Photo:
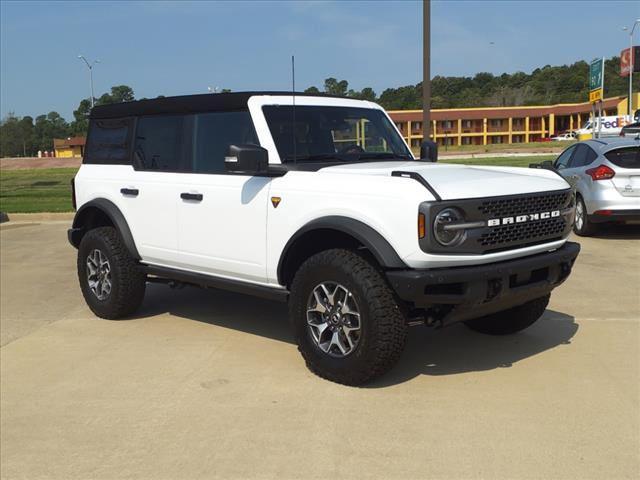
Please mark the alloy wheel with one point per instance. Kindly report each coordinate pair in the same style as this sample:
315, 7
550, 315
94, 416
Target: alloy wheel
333, 319
99, 274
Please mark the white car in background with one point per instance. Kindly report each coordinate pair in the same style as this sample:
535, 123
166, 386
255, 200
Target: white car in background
565, 137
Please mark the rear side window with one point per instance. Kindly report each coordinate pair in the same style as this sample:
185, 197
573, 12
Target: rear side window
214, 132
584, 156
625, 157
158, 143
108, 141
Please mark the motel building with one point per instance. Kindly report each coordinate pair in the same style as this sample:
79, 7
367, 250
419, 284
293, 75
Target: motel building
502, 125
69, 147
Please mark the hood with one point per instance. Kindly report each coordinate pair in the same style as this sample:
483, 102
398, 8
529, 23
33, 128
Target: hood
463, 181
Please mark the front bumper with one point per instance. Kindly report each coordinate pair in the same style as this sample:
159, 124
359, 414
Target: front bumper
462, 293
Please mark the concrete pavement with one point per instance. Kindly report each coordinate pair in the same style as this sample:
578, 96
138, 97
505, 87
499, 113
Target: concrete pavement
208, 384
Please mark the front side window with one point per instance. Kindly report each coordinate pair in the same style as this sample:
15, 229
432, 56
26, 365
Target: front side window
158, 143
563, 160
108, 141
214, 132
322, 133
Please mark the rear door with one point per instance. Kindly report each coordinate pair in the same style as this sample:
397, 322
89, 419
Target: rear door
159, 156
626, 163
222, 218
582, 157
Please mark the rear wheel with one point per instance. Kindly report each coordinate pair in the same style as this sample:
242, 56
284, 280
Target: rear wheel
111, 281
582, 226
346, 321
510, 321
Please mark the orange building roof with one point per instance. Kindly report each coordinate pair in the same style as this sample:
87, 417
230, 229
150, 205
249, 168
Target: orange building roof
69, 142
502, 112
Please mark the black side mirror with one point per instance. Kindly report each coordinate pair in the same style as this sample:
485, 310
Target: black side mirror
247, 159
429, 151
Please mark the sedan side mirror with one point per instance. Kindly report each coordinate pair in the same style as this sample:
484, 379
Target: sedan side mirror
247, 159
547, 165
429, 151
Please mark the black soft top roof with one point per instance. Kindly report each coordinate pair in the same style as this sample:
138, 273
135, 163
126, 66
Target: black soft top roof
208, 102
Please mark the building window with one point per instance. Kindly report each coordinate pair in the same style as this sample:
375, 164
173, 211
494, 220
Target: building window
416, 125
467, 140
467, 123
496, 122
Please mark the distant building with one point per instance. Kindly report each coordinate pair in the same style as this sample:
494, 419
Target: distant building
495, 125
69, 147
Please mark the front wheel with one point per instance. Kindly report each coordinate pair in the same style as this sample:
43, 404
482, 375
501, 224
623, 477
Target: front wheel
346, 321
582, 226
512, 320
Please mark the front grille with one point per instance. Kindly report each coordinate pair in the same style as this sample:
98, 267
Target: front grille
506, 236
495, 238
522, 233
522, 205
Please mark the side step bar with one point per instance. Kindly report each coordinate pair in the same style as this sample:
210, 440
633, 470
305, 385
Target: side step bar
210, 281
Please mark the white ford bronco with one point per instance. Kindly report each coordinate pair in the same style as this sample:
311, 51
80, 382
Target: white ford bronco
317, 201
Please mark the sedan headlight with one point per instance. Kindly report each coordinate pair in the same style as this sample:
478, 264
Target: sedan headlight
448, 218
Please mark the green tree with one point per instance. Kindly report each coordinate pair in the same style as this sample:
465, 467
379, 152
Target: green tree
335, 87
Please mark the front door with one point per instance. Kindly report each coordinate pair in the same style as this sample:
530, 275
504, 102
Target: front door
222, 218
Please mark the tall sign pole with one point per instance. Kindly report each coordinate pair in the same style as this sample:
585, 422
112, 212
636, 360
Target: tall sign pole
426, 69
596, 91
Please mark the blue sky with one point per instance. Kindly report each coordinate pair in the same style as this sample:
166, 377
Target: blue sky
175, 48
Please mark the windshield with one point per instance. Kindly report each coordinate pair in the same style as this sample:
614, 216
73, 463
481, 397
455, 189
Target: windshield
334, 133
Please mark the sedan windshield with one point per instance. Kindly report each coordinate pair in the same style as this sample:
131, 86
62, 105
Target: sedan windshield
332, 134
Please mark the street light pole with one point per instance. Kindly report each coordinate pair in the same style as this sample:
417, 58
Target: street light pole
90, 67
631, 67
426, 69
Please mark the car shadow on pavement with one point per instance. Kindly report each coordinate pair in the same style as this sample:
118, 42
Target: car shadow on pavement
457, 349
447, 351
618, 232
221, 308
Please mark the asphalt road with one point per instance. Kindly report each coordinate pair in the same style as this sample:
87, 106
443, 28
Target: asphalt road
205, 384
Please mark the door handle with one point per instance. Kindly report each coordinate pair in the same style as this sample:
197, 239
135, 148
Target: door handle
130, 191
192, 196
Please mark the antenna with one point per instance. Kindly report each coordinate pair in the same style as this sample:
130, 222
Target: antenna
293, 93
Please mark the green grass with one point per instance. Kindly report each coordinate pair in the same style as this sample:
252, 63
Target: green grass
36, 190
500, 161
49, 190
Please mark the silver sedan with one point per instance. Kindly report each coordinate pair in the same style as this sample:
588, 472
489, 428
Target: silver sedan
605, 174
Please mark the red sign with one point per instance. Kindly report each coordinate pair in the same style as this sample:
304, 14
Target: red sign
626, 62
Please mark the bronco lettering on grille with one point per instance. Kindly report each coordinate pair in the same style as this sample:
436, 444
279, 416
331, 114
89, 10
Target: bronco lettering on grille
531, 217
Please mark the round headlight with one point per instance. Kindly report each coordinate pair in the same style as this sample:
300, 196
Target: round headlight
444, 236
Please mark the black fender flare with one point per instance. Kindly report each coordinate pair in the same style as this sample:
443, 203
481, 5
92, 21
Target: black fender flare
379, 247
113, 213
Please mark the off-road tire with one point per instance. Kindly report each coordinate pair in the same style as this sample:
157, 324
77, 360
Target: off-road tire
383, 326
587, 228
128, 282
510, 321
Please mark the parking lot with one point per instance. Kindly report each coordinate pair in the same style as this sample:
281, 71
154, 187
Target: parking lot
204, 384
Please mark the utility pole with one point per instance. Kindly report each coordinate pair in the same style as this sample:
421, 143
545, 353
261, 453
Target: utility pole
426, 69
90, 67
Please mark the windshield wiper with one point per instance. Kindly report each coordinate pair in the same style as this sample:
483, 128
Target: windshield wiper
384, 156
315, 158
